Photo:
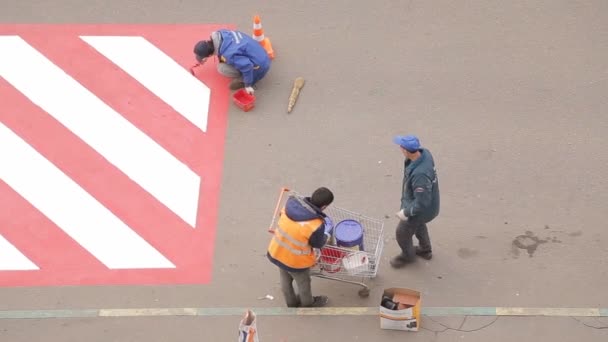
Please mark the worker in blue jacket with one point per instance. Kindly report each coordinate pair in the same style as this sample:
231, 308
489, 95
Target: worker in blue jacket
419, 201
241, 57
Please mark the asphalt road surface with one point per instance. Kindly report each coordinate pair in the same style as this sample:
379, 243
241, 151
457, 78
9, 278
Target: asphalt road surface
509, 96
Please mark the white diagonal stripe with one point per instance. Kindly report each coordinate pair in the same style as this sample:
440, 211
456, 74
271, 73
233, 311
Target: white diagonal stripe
13, 260
157, 72
105, 130
72, 209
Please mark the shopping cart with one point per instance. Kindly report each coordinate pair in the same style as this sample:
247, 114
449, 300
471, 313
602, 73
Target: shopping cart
345, 261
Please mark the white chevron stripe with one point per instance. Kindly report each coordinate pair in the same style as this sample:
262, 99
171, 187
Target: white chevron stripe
13, 260
105, 130
157, 72
72, 209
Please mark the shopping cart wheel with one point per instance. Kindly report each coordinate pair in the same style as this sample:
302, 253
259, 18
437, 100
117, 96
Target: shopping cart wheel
364, 292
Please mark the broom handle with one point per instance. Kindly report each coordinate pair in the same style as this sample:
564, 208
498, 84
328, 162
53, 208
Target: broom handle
277, 208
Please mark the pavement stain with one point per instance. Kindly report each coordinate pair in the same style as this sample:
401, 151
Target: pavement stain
529, 242
465, 253
485, 154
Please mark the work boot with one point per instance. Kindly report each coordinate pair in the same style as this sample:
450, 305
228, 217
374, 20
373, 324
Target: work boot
427, 255
319, 301
399, 261
294, 305
236, 84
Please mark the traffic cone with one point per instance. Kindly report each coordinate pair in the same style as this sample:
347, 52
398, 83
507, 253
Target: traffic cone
258, 34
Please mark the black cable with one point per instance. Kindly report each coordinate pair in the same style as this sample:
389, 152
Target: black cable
446, 328
589, 325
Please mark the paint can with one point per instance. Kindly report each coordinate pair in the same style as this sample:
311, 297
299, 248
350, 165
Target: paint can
349, 234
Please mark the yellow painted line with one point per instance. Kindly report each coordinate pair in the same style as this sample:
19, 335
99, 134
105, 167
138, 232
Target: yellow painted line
148, 312
337, 311
283, 311
553, 312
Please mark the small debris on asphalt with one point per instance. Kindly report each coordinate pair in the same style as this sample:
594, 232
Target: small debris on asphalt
266, 297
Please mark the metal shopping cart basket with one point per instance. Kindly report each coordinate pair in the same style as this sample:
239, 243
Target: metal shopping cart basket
352, 253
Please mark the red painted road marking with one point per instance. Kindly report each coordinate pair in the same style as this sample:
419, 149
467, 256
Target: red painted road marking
61, 260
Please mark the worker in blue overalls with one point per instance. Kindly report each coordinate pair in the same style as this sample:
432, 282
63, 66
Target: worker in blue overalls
240, 56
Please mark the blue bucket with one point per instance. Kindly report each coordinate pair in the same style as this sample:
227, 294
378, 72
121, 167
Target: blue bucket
349, 234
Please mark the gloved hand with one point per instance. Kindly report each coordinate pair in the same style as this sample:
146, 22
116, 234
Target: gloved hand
329, 225
249, 90
401, 215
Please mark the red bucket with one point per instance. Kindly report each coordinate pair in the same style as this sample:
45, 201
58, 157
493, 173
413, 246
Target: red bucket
331, 259
244, 100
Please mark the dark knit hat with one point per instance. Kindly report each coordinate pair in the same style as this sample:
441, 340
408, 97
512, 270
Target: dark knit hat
203, 49
322, 197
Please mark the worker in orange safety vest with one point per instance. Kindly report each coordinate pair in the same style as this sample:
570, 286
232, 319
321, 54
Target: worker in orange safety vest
301, 227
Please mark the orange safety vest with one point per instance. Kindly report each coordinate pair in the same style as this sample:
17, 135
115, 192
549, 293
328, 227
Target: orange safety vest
289, 245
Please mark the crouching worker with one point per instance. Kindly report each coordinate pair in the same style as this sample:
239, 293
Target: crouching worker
241, 57
301, 227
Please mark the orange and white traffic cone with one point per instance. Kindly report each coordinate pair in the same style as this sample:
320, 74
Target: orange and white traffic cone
258, 34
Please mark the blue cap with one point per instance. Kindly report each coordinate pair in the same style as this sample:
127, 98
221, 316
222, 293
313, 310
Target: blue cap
408, 142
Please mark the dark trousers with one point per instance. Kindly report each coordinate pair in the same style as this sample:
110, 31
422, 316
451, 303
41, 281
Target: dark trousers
405, 232
302, 279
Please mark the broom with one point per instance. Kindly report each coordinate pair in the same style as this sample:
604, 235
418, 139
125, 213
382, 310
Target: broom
295, 92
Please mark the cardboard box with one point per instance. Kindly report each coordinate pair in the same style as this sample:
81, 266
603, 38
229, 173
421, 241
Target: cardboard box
407, 314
